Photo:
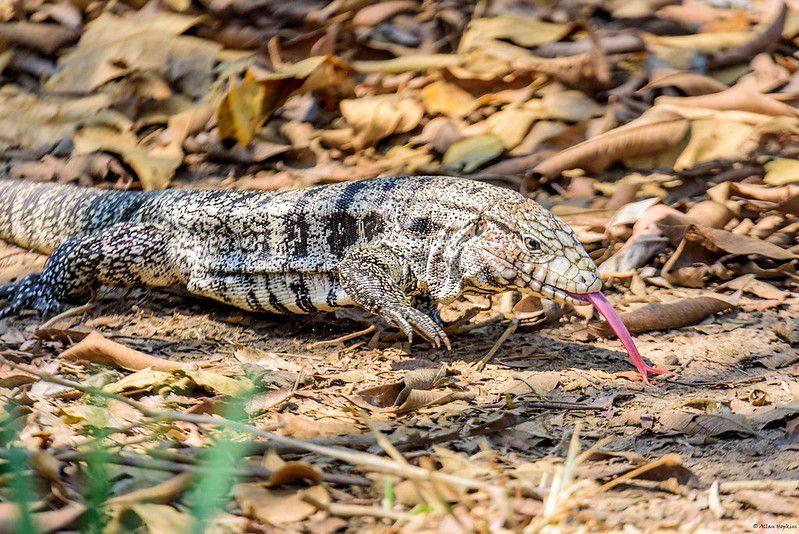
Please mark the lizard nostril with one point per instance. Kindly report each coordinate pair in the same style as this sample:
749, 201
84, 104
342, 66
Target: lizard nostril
587, 279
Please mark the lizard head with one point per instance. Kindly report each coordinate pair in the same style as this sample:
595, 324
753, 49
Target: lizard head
520, 245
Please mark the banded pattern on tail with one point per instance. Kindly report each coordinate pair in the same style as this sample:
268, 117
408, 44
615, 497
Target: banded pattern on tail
41, 216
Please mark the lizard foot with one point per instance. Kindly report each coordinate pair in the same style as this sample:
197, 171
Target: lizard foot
29, 293
410, 319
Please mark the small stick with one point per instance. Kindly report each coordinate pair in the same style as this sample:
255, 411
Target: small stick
357, 510
514, 324
64, 315
343, 338
474, 326
779, 485
668, 459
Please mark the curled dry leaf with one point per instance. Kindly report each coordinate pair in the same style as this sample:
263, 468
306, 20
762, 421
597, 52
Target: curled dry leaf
448, 99
706, 425
666, 316
782, 171
295, 473
260, 94
376, 117
690, 83
277, 506
714, 139
735, 98
162, 493
153, 166
112, 46
731, 243
97, 349
154, 517
468, 154
374, 14
46, 38
654, 131
522, 30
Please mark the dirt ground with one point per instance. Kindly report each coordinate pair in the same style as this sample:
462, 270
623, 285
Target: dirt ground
724, 415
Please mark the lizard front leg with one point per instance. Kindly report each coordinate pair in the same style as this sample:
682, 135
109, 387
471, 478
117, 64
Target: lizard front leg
125, 254
373, 277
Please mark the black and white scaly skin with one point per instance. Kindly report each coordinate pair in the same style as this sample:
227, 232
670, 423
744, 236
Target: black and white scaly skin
371, 243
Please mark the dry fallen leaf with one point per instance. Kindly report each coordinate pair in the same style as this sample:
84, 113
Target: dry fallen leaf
97, 349
277, 506
153, 166
468, 154
654, 131
376, 117
665, 316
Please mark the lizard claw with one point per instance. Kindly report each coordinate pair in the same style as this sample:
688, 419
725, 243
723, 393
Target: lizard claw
410, 319
28, 293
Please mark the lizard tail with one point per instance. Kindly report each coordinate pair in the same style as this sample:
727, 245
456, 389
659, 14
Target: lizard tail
41, 216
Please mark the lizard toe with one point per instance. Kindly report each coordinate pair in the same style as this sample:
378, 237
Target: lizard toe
410, 319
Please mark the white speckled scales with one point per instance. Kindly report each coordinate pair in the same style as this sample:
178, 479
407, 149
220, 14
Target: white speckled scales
372, 243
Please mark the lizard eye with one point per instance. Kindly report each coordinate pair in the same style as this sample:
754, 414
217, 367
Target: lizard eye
531, 244
480, 227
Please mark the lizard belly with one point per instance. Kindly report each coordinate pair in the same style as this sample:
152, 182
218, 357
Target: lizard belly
284, 293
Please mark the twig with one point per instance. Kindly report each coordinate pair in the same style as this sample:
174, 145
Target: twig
369, 461
356, 510
775, 485
154, 464
667, 460
64, 315
343, 338
514, 324
474, 326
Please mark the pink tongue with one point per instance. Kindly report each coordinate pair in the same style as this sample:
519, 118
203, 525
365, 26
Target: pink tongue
605, 309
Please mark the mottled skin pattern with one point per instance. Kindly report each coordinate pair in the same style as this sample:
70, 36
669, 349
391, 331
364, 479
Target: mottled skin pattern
372, 243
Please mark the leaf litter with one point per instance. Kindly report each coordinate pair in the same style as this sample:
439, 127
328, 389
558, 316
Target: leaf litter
665, 134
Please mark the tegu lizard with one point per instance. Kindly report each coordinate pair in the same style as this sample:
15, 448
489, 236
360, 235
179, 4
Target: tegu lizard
373, 243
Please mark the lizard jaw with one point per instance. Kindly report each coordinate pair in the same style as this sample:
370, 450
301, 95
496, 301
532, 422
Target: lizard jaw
525, 282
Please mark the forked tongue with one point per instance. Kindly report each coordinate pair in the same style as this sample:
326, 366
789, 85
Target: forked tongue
606, 310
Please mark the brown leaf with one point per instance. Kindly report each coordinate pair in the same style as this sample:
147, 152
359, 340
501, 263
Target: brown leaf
46, 38
690, 83
767, 502
706, 425
97, 349
665, 316
277, 506
448, 99
721, 240
374, 14
376, 117
155, 517
294, 473
162, 493
112, 46
240, 112
652, 132
735, 98
154, 166
238, 116
714, 139
522, 30
33, 122
468, 154
264, 402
